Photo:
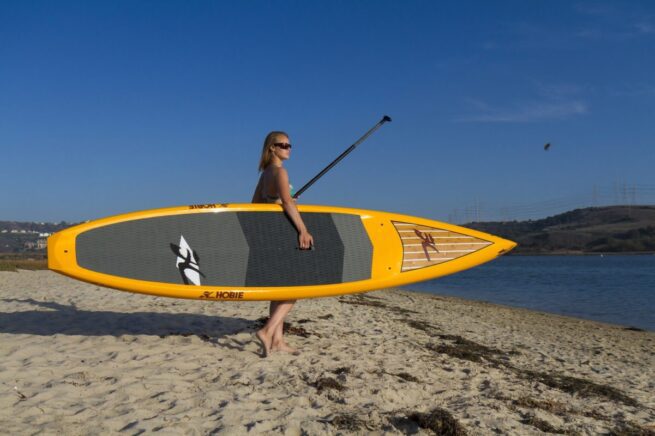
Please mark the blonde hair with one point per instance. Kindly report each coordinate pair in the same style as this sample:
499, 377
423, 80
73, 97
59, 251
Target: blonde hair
267, 154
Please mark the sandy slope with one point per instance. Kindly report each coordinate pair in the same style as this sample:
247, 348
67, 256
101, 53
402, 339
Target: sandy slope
79, 359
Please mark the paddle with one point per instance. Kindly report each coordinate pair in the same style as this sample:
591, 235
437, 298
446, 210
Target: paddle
344, 154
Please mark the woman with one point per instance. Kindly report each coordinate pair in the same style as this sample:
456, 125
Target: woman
273, 187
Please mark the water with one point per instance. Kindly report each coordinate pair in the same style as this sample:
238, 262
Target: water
614, 289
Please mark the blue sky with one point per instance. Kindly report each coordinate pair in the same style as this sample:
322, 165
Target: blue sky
110, 107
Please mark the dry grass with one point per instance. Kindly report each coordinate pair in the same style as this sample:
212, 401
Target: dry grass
16, 264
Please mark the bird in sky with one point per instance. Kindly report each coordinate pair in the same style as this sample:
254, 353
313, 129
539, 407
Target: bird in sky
547, 146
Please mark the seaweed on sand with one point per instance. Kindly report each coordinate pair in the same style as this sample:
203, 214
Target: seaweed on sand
577, 386
634, 329
346, 421
467, 350
540, 424
419, 325
407, 377
360, 300
570, 385
630, 429
326, 383
550, 406
471, 351
402, 375
367, 300
440, 421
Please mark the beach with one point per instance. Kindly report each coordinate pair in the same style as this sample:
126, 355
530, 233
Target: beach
77, 358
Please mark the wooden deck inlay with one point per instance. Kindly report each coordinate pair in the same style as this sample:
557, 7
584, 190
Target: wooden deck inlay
426, 246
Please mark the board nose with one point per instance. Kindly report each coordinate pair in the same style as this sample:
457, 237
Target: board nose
505, 246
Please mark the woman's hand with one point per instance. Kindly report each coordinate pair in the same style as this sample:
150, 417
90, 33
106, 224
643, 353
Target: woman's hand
305, 240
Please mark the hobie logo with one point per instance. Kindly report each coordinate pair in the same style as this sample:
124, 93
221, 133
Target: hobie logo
187, 262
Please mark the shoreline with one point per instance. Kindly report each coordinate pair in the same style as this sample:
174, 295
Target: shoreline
85, 359
570, 318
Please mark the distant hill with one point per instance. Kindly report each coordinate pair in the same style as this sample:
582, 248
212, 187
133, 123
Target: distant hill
16, 236
613, 229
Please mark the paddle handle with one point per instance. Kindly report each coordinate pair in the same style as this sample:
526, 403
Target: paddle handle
342, 155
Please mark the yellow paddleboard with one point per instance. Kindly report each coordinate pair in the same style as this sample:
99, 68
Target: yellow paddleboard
241, 252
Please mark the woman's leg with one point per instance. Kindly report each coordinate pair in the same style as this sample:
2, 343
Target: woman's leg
279, 343
271, 334
272, 308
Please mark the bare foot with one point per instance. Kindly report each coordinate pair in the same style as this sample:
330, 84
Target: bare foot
285, 348
265, 342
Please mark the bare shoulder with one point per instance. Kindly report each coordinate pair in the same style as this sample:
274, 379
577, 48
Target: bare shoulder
280, 172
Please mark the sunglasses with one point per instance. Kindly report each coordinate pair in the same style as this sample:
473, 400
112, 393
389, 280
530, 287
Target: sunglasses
283, 145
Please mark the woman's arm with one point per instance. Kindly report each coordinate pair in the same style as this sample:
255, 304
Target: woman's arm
305, 239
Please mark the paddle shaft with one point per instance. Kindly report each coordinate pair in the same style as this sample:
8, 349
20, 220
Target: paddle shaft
341, 156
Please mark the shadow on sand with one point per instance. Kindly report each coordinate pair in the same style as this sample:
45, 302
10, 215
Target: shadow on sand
68, 320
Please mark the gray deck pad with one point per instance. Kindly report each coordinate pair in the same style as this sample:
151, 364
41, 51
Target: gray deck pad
233, 249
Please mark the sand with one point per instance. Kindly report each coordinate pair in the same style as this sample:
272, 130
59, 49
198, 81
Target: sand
76, 358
